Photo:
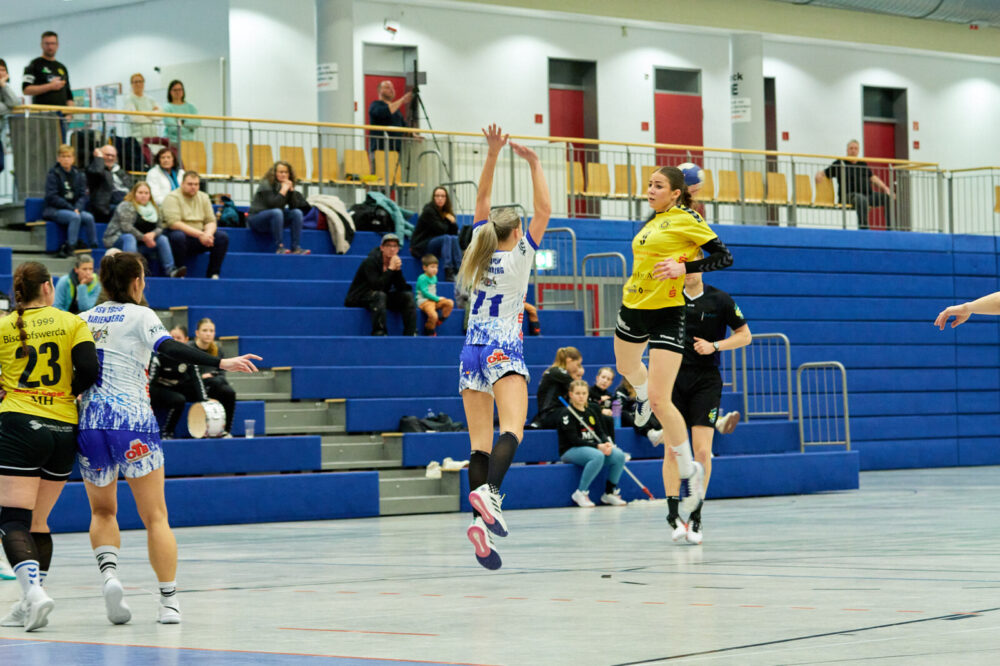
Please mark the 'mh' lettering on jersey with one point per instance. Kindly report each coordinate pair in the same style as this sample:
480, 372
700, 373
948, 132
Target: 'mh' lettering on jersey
137, 451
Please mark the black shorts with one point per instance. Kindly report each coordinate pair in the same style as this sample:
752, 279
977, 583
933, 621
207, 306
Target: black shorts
36, 446
697, 393
664, 328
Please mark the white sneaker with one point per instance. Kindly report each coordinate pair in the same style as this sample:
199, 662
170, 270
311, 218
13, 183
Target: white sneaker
614, 499
433, 470
482, 541
114, 602
40, 605
6, 573
694, 533
582, 499
642, 412
727, 424
17, 615
169, 614
655, 437
487, 503
679, 529
691, 489
449, 465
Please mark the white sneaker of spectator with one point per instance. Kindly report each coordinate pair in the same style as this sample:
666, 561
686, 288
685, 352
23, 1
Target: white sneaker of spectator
582, 500
433, 470
727, 424
655, 437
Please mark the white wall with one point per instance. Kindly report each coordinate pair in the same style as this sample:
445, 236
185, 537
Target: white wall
272, 56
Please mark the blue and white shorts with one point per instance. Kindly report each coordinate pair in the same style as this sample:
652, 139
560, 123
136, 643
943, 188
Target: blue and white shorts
102, 452
481, 366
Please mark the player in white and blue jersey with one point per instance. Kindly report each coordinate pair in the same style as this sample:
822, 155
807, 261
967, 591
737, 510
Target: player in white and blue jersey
496, 268
118, 430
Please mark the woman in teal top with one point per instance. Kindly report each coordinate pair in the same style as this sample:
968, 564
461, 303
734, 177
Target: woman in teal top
176, 103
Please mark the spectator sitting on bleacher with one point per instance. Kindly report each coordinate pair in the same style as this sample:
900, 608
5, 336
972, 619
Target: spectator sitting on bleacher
591, 448
214, 379
188, 214
137, 227
66, 202
177, 103
78, 290
172, 384
553, 385
107, 181
276, 205
437, 233
652, 430
599, 393
379, 285
427, 296
164, 177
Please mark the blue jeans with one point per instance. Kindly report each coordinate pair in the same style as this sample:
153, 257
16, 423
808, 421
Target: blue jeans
274, 220
128, 243
592, 460
447, 250
72, 221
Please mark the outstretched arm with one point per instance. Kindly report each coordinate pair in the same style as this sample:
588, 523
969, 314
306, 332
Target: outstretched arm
989, 304
495, 141
543, 205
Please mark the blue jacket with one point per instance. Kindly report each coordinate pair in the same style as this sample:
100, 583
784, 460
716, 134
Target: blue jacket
54, 189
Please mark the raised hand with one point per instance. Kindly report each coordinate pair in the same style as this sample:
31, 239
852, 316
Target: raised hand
495, 138
242, 363
524, 152
961, 313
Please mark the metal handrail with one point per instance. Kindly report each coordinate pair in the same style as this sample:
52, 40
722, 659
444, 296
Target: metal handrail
587, 328
549, 233
846, 441
788, 374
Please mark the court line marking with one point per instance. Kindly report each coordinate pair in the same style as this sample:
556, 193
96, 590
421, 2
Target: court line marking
779, 641
358, 631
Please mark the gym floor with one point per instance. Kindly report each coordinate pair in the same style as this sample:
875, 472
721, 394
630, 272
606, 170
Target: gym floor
904, 571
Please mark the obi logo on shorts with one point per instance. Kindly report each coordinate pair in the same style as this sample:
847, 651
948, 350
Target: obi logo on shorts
497, 357
137, 451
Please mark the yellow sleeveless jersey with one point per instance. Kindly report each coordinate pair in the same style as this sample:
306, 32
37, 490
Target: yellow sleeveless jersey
675, 233
37, 380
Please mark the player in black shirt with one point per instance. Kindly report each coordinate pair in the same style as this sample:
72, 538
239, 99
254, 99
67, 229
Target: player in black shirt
698, 388
856, 182
45, 78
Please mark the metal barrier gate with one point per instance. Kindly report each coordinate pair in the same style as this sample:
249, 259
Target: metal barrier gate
601, 291
821, 413
767, 387
556, 287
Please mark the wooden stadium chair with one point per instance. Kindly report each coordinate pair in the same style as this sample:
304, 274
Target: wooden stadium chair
574, 178
777, 189
803, 190
729, 187
226, 160
647, 172
296, 156
598, 182
707, 191
996, 206
330, 166
357, 170
824, 194
263, 159
394, 168
753, 187
622, 174
194, 157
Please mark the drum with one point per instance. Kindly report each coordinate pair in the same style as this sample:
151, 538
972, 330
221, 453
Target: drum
206, 419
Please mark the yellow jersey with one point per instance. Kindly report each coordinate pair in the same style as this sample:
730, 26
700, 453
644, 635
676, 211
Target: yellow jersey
676, 233
38, 379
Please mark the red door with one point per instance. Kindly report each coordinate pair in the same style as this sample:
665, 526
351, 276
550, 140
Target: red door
678, 120
880, 141
566, 119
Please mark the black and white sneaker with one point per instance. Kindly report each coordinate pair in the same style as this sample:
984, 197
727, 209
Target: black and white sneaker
678, 527
482, 541
487, 503
642, 412
693, 535
691, 489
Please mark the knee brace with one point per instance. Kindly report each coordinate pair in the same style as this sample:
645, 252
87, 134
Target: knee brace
14, 519
15, 530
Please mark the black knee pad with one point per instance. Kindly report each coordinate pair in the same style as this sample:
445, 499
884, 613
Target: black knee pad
14, 519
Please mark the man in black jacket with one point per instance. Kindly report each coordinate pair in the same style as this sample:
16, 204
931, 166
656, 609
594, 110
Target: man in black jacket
107, 181
379, 284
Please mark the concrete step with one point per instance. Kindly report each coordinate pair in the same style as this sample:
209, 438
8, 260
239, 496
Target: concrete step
409, 487
344, 465
397, 506
370, 448
305, 418
56, 266
11, 214
23, 240
362, 452
271, 385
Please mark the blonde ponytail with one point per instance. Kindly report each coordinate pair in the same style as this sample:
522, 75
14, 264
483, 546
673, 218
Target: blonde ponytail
497, 228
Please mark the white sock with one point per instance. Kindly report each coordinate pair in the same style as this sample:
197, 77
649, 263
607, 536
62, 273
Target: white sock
26, 572
42, 575
685, 461
640, 391
107, 561
168, 592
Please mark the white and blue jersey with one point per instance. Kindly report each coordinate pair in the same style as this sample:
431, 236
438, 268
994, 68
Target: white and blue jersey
494, 342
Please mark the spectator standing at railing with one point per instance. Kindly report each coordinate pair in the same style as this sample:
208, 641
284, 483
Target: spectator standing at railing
66, 202
437, 233
276, 205
385, 111
137, 227
8, 100
177, 103
46, 79
165, 176
855, 182
379, 285
142, 126
108, 183
187, 212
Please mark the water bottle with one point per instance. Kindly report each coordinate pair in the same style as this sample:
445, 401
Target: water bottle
616, 412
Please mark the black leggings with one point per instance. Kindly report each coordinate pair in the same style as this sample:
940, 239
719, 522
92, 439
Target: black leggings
173, 399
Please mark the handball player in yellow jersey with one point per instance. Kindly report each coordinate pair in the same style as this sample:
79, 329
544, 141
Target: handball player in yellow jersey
47, 358
652, 313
